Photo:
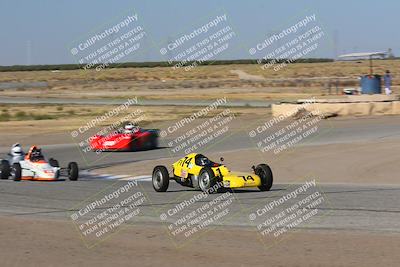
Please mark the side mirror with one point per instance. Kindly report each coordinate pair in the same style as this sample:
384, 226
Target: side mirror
221, 159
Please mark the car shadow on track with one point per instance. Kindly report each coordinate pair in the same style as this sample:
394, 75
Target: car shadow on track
240, 191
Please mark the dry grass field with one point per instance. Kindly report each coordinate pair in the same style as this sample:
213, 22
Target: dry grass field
41, 119
204, 82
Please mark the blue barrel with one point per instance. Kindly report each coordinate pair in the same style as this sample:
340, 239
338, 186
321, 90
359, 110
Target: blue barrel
371, 84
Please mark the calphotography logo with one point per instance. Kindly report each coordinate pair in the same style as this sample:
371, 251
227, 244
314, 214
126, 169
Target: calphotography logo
104, 117
296, 208
290, 44
113, 44
288, 129
201, 44
200, 130
87, 136
105, 213
195, 215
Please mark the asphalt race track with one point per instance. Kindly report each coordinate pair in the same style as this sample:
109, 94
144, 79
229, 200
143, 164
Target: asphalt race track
330, 132
372, 208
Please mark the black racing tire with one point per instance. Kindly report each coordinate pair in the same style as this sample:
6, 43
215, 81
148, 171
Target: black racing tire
207, 179
5, 169
151, 143
160, 178
154, 142
73, 171
54, 162
265, 173
133, 146
17, 172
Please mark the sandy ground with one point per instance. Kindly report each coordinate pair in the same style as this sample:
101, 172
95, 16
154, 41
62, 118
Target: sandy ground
50, 243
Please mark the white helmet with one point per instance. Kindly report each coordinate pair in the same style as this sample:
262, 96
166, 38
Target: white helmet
16, 150
129, 126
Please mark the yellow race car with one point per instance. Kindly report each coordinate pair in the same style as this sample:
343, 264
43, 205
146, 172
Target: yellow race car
197, 171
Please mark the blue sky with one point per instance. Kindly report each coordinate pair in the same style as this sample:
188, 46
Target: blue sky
42, 31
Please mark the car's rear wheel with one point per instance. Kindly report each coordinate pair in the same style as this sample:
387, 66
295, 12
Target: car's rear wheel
5, 169
150, 143
16, 172
265, 173
73, 171
154, 142
207, 179
160, 179
133, 145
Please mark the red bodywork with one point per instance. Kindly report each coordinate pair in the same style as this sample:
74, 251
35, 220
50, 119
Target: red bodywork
139, 140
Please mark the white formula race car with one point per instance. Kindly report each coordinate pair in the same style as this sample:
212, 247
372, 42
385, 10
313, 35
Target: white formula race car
33, 166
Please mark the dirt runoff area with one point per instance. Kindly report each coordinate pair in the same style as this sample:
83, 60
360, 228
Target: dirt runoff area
58, 245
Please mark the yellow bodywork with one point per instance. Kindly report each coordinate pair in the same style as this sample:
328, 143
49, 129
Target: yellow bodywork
186, 167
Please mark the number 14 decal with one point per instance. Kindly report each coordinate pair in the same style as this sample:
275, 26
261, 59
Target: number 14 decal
246, 178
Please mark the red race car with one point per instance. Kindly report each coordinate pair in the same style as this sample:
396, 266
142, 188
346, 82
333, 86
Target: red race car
131, 138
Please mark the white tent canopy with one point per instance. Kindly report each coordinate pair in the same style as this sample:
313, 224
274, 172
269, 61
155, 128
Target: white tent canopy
363, 54
368, 55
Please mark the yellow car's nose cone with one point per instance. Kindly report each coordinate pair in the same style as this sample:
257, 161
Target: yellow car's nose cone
237, 180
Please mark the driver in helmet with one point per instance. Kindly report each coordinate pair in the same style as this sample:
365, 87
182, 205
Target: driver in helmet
17, 154
130, 128
34, 154
203, 161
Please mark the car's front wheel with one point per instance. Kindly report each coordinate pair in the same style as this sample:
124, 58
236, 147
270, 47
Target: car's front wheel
5, 169
265, 173
73, 171
207, 179
160, 179
16, 172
